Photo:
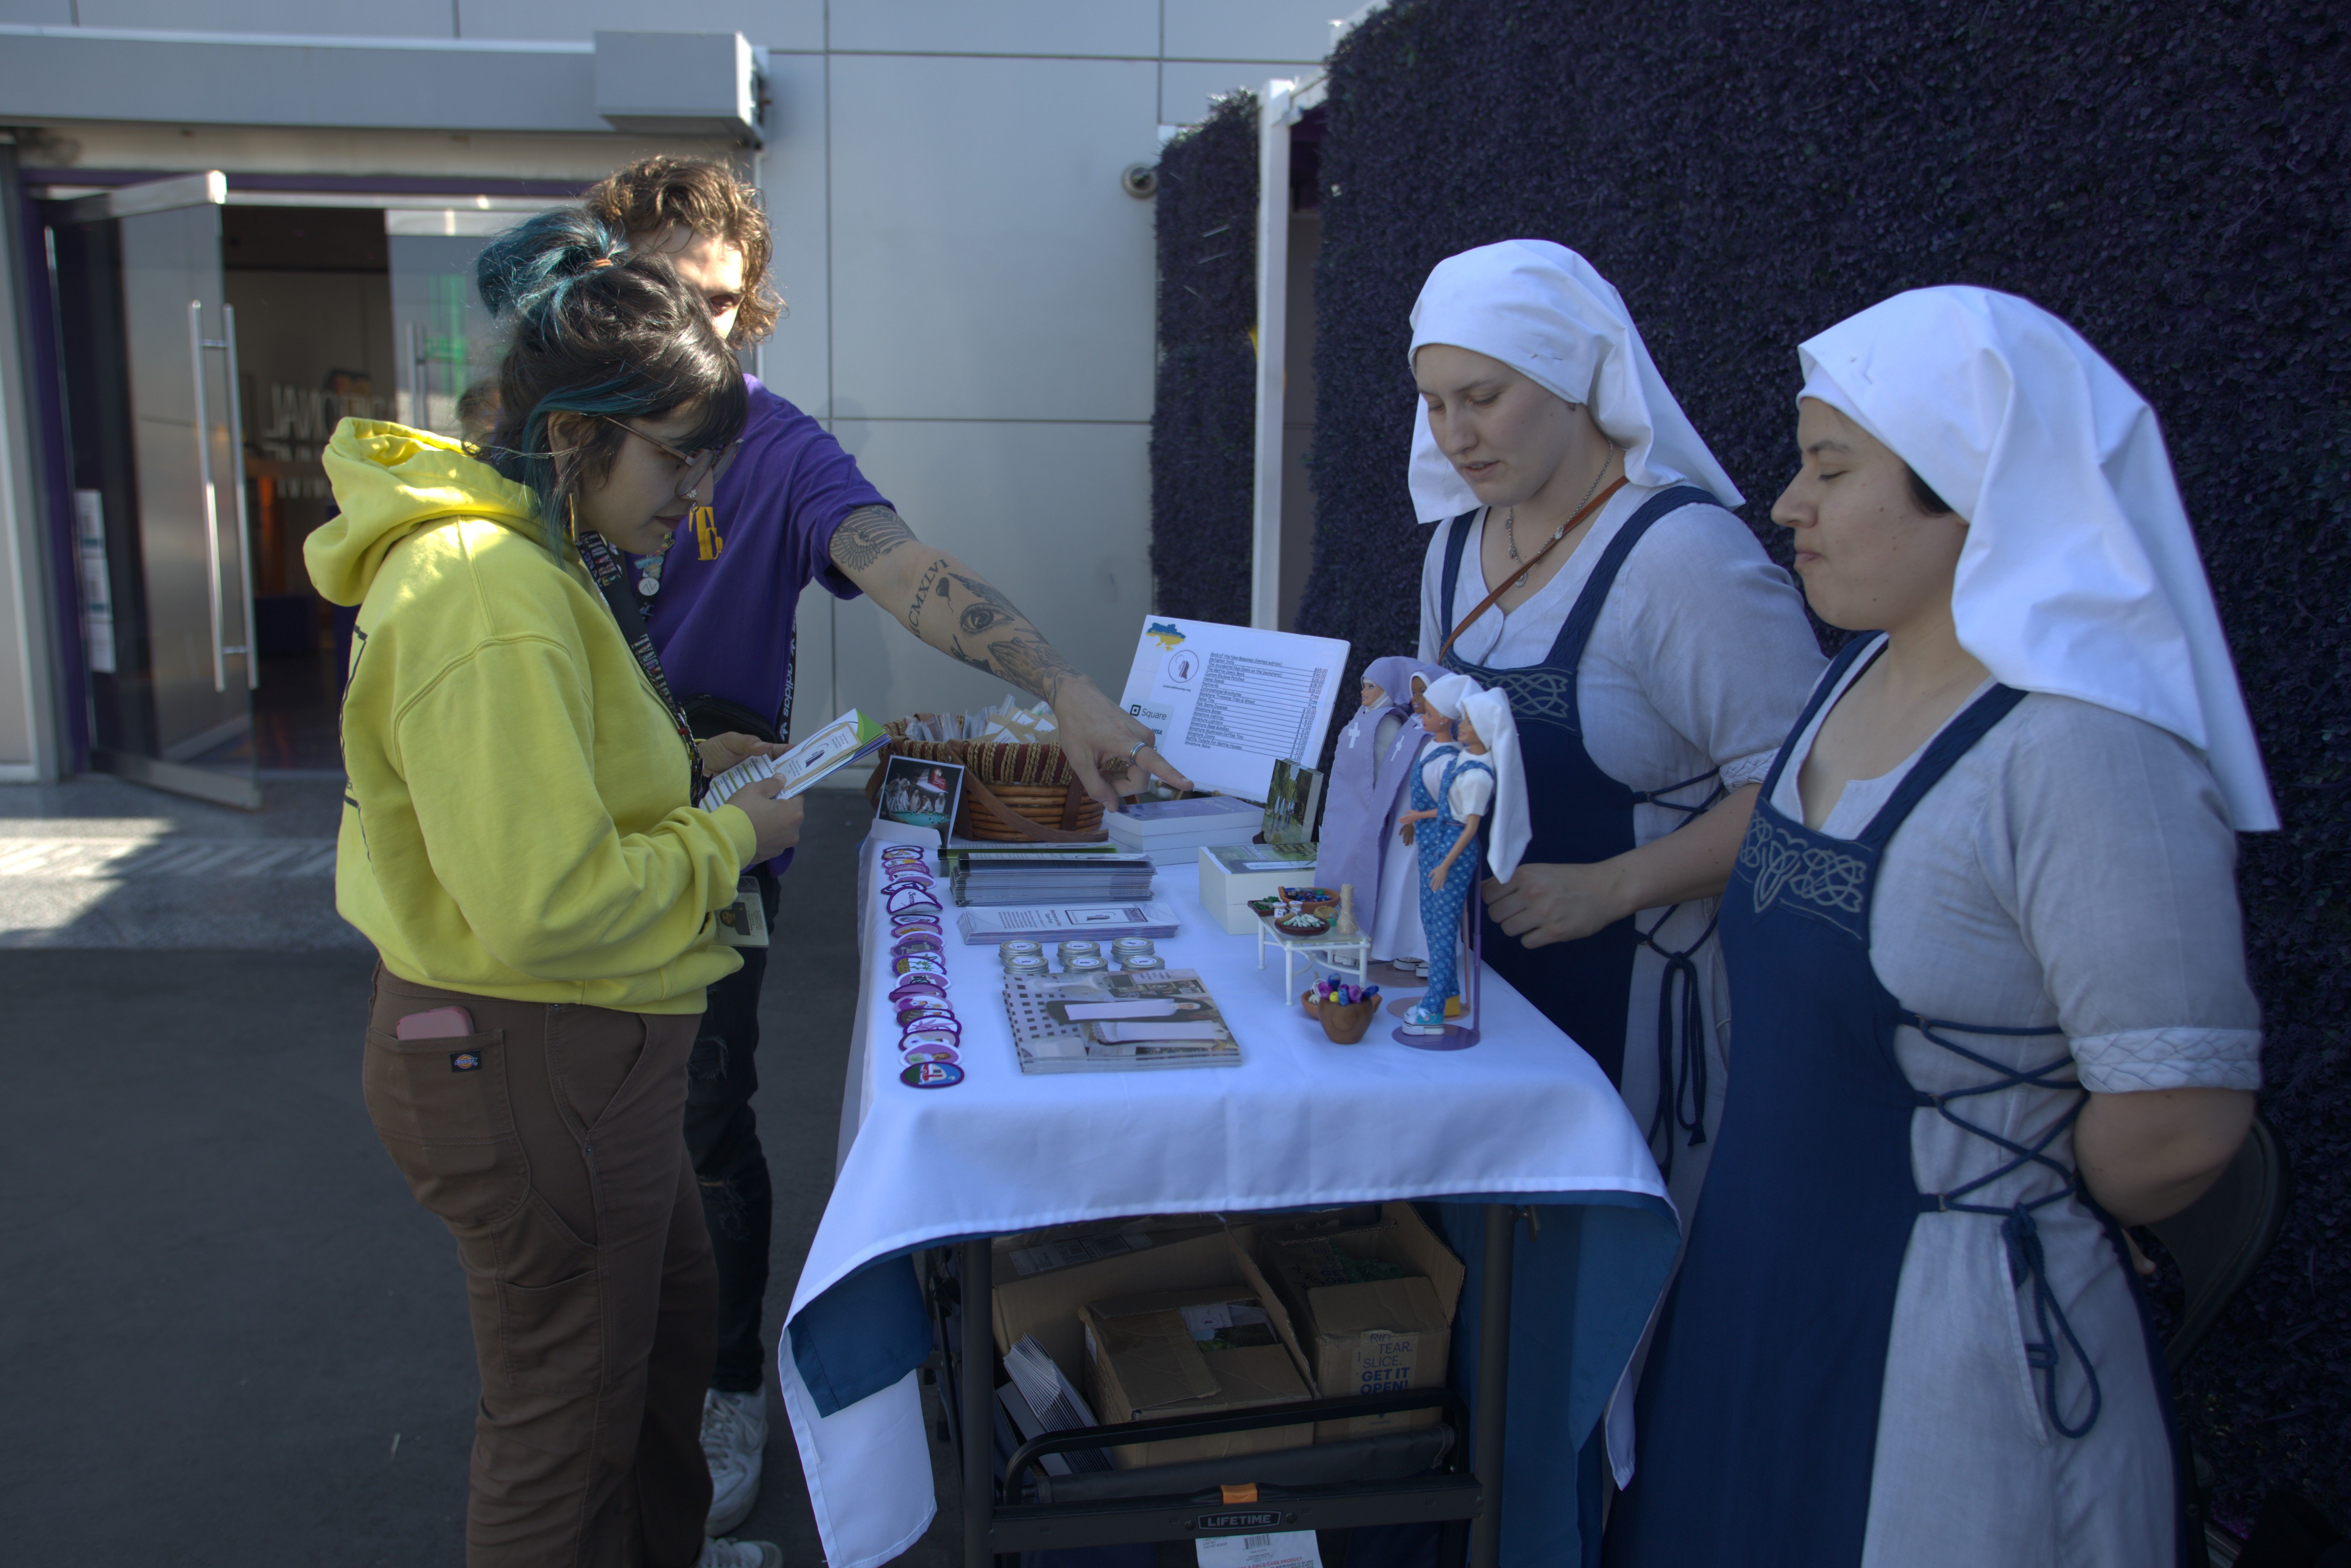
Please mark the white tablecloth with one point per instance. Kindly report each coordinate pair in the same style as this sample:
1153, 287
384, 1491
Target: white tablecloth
1301, 1122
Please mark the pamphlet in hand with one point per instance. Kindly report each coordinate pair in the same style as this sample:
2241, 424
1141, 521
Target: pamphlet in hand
1101, 1021
834, 747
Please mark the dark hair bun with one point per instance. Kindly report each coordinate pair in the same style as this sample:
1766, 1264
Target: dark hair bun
537, 263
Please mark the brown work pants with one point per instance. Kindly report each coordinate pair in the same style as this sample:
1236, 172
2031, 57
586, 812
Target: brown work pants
550, 1141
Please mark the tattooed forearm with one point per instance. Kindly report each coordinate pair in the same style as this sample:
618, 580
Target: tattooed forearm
922, 592
1028, 662
867, 535
989, 608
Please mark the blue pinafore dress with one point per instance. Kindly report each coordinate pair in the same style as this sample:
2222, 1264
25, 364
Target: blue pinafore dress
1579, 815
1441, 908
1758, 1411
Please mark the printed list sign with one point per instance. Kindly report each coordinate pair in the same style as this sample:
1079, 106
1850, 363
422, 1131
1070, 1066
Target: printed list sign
1226, 702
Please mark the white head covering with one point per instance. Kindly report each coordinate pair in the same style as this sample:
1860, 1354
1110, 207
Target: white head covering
2079, 575
1489, 713
1541, 309
1445, 694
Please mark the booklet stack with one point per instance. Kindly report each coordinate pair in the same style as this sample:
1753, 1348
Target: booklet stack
991, 877
1096, 922
1105, 1022
1170, 831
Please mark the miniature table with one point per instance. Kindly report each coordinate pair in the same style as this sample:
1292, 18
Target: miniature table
1321, 949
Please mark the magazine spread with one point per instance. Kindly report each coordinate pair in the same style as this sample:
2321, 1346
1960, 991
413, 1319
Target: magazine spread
1105, 1022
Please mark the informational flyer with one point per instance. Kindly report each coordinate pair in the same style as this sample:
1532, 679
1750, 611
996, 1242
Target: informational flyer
1227, 703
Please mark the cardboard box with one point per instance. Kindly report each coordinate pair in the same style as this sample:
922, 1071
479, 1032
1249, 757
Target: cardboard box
1198, 1352
1365, 1333
1225, 887
1044, 1303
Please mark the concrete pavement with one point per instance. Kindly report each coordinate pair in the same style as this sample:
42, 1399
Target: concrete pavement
233, 1338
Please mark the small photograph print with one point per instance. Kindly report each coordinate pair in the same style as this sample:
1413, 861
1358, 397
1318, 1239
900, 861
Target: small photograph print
920, 794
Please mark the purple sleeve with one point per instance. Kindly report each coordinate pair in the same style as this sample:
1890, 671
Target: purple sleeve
793, 464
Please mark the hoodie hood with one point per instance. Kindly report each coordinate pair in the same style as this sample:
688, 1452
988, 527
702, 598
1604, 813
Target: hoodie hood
390, 481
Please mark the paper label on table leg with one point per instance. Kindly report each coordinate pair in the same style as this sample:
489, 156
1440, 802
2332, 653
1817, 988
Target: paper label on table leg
1280, 1548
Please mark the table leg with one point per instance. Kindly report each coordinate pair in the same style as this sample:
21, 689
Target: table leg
976, 1390
1493, 1382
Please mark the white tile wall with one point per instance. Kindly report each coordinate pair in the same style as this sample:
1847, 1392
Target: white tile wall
377, 19
986, 261
1057, 516
772, 23
1252, 29
1120, 27
797, 361
38, 12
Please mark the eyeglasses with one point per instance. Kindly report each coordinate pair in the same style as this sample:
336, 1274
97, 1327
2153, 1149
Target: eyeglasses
693, 467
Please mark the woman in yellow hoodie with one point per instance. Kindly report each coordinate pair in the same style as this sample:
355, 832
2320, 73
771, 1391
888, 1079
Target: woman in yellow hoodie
520, 842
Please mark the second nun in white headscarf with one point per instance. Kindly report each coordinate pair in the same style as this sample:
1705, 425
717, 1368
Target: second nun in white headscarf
1989, 971
1652, 655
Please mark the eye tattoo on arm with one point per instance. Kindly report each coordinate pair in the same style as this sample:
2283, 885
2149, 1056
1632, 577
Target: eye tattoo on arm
867, 535
989, 608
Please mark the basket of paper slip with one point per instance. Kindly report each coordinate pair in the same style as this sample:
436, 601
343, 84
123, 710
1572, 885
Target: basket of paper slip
1018, 787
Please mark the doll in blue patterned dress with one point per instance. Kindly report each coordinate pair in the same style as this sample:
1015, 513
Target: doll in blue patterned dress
1464, 788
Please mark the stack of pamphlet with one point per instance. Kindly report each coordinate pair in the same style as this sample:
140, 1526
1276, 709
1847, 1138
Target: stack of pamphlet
1170, 831
1096, 922
1101, 1021
991, 877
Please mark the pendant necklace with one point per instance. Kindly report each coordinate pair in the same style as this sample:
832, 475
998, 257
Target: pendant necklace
1511, 524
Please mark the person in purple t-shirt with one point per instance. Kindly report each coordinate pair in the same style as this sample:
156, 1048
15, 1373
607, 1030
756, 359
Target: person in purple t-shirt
791, 508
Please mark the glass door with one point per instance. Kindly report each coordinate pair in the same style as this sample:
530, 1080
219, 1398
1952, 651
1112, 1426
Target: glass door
440, 330
149, 356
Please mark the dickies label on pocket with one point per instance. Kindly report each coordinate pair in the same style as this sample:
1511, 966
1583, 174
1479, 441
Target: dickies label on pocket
465, 1061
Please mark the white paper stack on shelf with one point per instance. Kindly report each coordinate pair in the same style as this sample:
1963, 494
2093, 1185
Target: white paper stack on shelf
1171, 831
1039, 1399
988, 878
1096, 922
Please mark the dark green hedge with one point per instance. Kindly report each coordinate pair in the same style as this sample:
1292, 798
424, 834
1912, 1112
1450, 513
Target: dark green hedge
1205, 414
2169, 176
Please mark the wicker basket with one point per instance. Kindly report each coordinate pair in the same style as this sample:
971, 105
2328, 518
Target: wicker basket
1012, 792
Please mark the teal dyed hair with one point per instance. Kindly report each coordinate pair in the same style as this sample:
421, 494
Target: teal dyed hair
592, 329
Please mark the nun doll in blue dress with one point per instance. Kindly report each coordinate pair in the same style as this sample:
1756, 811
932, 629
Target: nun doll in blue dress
1988, 964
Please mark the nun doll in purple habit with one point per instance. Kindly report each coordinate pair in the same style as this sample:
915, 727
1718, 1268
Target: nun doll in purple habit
1374, 757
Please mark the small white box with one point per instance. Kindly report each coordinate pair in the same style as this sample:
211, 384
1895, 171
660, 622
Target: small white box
1233, 873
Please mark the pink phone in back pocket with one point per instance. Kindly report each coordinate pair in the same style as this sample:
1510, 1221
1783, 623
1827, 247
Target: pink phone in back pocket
435, 1023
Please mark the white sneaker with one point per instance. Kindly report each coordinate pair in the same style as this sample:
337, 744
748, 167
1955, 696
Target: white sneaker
740, 1554
735, 1442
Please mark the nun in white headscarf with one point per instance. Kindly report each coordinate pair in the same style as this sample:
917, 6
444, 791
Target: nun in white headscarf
1988, 969
1652, 654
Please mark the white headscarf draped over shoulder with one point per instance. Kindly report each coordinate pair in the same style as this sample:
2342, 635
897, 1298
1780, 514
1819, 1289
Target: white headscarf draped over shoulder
1489, 713
2079, 575
1542, 310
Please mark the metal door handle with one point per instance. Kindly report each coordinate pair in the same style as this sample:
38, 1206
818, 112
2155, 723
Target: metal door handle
243, 531
204, 478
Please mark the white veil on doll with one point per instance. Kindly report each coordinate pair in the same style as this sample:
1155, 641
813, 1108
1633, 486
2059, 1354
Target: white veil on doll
1489, 713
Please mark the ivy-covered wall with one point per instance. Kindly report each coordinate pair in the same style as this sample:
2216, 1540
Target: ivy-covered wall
2167, 175
1204, 410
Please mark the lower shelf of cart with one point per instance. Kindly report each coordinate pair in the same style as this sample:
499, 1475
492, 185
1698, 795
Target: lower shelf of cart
1417, 1500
